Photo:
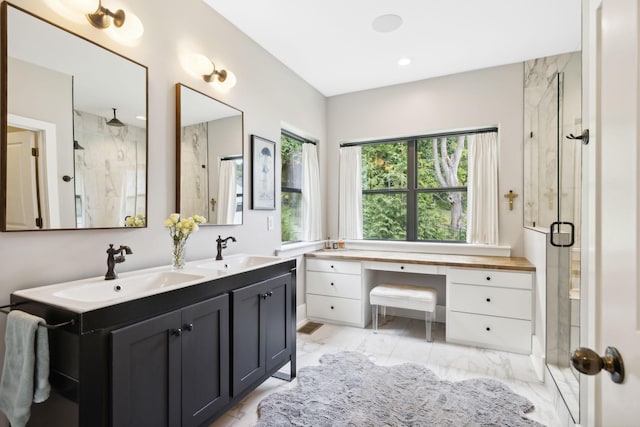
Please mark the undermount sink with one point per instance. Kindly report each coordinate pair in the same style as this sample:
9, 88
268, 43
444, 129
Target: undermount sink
235, 263
98, 289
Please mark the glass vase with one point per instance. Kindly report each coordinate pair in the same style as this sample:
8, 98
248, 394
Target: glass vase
179, 255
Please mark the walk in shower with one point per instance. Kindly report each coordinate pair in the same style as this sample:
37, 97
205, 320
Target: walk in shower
552, 204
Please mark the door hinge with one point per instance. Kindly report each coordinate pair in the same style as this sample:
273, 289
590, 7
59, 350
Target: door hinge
35, 152
39, 222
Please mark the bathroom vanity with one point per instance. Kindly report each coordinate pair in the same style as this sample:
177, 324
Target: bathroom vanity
488, 299
178, 356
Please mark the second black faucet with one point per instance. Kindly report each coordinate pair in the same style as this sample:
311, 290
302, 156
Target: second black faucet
222, 244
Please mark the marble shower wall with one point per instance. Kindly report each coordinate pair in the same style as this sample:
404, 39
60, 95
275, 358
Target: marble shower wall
110, 172
552, 110
194, 170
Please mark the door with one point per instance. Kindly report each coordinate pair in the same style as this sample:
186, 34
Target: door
611, 43
145, 384
205, 360
22, 203
278, 322
248, 336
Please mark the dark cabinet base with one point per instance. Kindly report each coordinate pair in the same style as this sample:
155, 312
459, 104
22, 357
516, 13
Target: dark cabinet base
169, 359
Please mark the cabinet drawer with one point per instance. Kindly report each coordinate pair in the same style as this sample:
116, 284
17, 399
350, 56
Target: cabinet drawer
505, 302
489, 331
509, 279
333, 284
332, 266
341, 310
403, 267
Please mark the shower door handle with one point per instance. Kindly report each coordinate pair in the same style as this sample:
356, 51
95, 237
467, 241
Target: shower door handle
589, 362
555, 231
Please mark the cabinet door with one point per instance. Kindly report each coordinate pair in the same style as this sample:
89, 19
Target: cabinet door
145, 388
248, 336
278, 321
205, 360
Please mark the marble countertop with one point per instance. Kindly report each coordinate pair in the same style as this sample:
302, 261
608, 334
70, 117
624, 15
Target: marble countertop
470, 261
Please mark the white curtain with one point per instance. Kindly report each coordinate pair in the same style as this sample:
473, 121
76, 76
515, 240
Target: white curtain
482, 186
311, 198
226, 205
350, 197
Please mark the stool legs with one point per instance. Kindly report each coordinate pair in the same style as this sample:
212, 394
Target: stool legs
429, 315
374, 315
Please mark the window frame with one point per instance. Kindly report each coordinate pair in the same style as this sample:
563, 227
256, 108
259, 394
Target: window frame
412, 191
288, 189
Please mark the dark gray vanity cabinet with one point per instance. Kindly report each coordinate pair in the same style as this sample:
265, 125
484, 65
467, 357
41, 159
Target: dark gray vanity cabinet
261, 331
172, 369
178, 358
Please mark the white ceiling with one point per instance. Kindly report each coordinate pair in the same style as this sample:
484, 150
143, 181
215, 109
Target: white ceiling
331, 43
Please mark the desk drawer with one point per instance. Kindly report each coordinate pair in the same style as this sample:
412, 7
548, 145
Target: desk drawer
341, 310
333, 284
504, 302
508, 279
403, 267
489, 331
332, 266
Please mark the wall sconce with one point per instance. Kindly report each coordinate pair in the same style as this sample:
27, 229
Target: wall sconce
102, 17
127, 27
219, 77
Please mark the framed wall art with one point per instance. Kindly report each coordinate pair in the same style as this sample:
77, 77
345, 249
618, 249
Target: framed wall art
263, 177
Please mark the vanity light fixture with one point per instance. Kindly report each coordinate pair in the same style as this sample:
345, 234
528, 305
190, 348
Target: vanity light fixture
126, 29
102, 17
219, 77
115, 122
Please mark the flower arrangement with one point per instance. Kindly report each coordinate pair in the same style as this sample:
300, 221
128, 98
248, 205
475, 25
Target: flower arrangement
135, 221
180, 229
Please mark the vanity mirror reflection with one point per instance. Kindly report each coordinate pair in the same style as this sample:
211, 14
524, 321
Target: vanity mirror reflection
209, 153
66, 163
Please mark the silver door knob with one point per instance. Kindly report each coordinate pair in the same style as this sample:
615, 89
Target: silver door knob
589, 362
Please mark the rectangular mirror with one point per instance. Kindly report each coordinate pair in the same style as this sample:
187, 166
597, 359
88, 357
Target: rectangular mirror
209, 153
66, 164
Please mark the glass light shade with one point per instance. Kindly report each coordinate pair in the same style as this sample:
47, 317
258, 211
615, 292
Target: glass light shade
228, 83
130, 32
199, 65
74, 10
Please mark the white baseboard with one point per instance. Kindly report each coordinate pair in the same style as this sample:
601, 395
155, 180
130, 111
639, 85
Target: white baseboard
301, 315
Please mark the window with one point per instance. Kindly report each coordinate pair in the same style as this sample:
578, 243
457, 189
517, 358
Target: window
291, 187
415, 189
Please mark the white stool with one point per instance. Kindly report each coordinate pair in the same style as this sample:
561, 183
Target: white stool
404, 296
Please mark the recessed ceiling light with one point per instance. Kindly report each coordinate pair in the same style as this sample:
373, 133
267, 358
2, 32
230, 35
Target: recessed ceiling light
403, 62
141, 118
386, 23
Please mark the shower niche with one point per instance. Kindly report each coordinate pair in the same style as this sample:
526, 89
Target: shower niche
552, 204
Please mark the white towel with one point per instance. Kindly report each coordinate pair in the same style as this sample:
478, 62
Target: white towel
25, 375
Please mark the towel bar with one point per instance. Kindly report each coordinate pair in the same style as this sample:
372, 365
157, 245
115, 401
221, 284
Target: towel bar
56, 326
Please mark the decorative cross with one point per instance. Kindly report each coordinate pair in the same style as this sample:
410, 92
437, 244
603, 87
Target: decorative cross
511, 195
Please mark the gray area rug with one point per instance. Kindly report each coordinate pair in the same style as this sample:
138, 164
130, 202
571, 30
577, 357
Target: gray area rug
347, 389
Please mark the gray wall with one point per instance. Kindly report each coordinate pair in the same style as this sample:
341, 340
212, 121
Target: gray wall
481, 98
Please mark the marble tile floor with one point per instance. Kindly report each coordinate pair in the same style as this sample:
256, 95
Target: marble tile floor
401, 340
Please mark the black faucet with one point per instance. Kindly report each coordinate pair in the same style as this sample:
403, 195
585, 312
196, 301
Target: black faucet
113, 260
222, 244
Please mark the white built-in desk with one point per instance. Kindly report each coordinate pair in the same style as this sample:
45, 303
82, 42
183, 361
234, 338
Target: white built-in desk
489, 300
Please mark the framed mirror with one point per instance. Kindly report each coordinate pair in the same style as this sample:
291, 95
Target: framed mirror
74, 130
209, 156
